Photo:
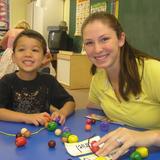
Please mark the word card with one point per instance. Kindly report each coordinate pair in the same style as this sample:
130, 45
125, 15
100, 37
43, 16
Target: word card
80, 148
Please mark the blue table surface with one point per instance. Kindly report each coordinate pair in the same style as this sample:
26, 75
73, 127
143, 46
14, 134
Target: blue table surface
37, 145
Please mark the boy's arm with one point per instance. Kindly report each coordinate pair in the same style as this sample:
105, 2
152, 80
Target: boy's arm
62, 113
13, 116
66, 110
8, 115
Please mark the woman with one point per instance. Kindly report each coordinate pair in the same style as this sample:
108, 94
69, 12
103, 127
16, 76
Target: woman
9, 37
125, 85
6, 64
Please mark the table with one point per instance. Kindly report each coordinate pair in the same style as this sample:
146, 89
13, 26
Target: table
37, 145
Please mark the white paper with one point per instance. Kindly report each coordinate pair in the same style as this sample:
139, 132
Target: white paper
80, 148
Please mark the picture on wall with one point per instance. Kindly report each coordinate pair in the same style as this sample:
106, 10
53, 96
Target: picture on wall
99, 6
82, 11
4, 17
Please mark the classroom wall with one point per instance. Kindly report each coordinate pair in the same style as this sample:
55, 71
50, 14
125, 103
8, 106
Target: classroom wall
54, 11
47, 13
17, 11
53, 14
66, 11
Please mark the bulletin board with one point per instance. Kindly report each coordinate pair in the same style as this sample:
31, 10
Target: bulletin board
4, 17
99, 6
82, 11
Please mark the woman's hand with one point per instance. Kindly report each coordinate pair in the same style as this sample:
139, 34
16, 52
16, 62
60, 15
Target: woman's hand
117, 142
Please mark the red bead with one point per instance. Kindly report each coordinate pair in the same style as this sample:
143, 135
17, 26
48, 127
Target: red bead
51, 144
93, 147
93, 143
20, 141
88, 121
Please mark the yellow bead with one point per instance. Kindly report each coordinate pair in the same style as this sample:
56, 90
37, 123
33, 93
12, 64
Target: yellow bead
72, 138
102, 158
143, 151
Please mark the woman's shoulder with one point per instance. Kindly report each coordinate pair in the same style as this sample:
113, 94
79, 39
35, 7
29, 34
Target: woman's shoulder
151, 64
151, 68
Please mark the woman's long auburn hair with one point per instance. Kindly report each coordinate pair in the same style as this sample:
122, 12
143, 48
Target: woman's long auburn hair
129, 78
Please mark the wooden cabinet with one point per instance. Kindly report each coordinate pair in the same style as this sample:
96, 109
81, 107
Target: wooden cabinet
73, 70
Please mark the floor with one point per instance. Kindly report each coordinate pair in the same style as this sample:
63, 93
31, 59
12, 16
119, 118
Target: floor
80, 96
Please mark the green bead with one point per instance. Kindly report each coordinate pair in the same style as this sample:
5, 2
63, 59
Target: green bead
52, 126
66, 134
135, 156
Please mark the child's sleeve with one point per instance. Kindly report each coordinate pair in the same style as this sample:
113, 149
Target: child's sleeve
5, 99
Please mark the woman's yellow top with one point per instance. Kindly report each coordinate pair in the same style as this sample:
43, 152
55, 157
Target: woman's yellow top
142, 111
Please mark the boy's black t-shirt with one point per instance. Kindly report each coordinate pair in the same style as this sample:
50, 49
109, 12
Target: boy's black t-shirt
33, 96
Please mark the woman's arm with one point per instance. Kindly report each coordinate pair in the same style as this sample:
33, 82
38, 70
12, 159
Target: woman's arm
122, 139
4, 41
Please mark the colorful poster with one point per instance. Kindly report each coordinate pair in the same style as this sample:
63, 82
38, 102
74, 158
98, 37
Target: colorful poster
99, 6
82, 11
4, 14
4, 17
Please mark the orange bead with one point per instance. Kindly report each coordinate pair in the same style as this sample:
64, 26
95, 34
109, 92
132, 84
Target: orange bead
27, 134
64, 139
88, 127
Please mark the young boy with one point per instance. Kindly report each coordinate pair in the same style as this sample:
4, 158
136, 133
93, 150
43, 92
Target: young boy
28, 96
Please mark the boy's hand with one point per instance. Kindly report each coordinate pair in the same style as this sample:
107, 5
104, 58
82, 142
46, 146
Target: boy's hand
37, 119
60, 115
